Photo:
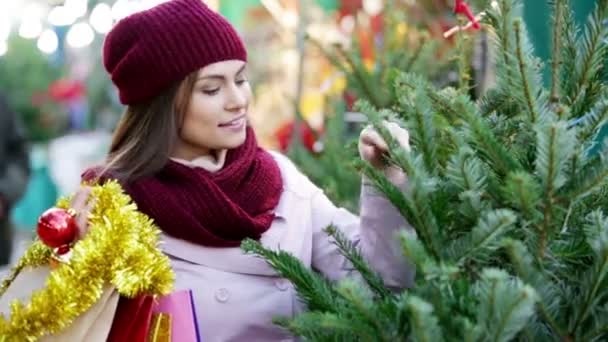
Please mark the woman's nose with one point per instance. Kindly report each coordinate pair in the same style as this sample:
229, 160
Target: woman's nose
237, 97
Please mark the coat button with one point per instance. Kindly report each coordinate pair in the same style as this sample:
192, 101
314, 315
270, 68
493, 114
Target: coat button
222, 295
281, 284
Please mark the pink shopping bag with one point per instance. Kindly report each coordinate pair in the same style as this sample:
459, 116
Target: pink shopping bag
179, 305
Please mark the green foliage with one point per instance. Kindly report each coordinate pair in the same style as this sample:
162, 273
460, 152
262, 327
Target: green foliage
404, 48
24, 71
416, 52
508, 205
341, 184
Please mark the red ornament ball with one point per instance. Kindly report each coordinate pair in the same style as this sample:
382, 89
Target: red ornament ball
57, 227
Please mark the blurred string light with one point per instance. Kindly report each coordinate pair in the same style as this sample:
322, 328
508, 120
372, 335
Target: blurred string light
347, 24
124, 8
5, 27
101, 18
30, 28
80, 35
3, 47
31, 25
372, 7
61, 16
48, 41
78, 8
35, 19
147, 4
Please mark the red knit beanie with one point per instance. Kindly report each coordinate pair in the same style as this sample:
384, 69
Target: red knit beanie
149, 50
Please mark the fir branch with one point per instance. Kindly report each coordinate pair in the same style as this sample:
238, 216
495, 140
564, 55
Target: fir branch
401, 316
416, 55
314, 290
596, 334
348, 249
504, 30
499, 19
420, 185
319, 326
559, 6
596, 232
597, 237
494, 100
486, 142
463, 48
588, 180
333, 59
523, 192
409, 81
360, 300
392, 193
466, 171
454, 106
413, 205
554, 148
569, 54
416, 252
422, 131
524, 266
362, 77
592, 282
484, 236
505, 304
526, 86
592, 121
594, 51
425, 325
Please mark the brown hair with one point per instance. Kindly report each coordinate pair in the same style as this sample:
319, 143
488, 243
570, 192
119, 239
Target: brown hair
146, 134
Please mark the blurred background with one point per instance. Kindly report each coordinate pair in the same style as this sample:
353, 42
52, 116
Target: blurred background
309, 62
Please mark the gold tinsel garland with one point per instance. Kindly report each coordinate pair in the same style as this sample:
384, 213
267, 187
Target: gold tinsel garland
120, 249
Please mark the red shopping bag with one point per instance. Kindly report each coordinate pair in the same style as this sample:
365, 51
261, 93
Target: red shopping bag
171, 318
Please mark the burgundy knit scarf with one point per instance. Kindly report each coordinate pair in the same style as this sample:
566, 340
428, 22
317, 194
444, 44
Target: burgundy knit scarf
217, 209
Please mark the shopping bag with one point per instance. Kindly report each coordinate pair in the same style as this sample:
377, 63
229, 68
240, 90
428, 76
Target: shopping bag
179, 308
92, 326
132, 320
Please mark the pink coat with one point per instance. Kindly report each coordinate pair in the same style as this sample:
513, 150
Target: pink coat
237, 295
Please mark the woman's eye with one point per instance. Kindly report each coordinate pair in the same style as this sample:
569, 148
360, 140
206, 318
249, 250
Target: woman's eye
211, 91
240, 82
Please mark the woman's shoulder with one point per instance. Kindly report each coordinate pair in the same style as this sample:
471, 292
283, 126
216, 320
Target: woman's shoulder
294, 180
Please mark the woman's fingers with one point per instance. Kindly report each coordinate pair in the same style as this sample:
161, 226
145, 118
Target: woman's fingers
401, 135
370, 137
82, 204
79, 200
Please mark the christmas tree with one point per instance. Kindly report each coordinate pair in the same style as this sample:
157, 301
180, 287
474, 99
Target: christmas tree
507, 201
381, 43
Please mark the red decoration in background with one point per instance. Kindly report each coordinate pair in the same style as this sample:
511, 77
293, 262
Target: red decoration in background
461, 7
62, 90
308, 135
57, 228
66, 90
377, 23
349, 7
350, 100
366, 44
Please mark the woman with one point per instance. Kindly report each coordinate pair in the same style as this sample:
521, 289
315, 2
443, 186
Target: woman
188, 158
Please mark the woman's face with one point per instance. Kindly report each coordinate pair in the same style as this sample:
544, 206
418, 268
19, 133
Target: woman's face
216, 117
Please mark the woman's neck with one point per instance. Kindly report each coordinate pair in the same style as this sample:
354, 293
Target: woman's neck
212, 162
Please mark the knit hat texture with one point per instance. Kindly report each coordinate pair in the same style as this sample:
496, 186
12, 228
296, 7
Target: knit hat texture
148, 51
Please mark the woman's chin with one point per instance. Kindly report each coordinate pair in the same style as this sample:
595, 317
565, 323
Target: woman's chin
235, 141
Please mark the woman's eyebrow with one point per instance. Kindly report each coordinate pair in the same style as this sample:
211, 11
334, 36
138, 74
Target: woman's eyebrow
220, 77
